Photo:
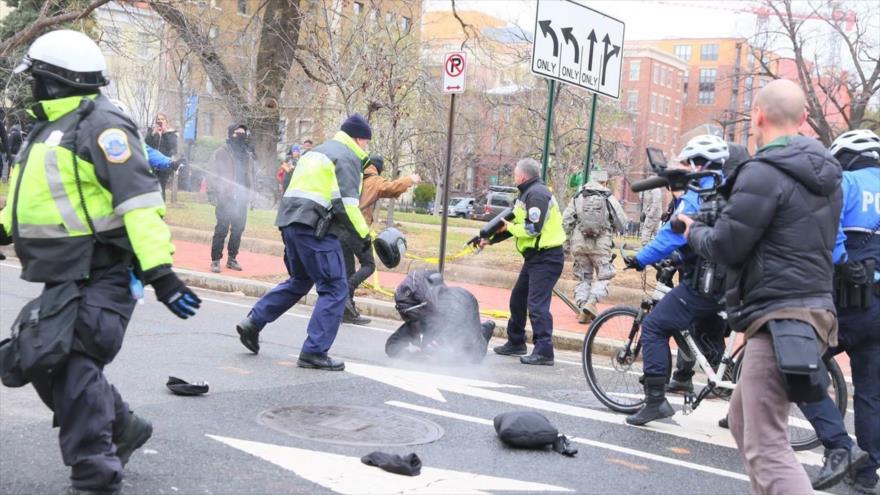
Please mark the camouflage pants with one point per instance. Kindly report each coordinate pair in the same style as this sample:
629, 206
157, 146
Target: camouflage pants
649, 230
593, 272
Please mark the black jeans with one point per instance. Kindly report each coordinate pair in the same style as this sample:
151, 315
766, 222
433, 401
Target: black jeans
531, 296
352, 248
231, 216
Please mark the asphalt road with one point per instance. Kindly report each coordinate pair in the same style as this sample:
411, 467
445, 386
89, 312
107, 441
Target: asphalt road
217, 444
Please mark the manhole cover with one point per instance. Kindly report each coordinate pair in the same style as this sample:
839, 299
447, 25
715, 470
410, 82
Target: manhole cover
351, 425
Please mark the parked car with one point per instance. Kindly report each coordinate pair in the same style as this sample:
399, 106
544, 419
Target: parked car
461, 207
496, 199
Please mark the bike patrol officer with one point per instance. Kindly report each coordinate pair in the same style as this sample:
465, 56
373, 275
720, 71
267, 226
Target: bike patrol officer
84, 207
857, 300
685, 305
321, 201
537, 228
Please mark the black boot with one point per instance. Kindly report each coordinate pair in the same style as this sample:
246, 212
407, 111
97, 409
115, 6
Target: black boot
656, 405
352, 315
838, 462
249, 335
136, 433
686, 386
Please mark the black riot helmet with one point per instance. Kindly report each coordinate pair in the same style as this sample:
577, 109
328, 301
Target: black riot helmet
390, 247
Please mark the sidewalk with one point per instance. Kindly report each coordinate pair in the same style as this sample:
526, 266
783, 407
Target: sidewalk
197, 257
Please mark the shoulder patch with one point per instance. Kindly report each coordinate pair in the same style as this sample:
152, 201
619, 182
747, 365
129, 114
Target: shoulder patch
114, 143
534, 214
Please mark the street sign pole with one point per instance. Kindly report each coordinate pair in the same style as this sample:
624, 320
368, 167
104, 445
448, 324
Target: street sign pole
545, 156
589, 157
445, 205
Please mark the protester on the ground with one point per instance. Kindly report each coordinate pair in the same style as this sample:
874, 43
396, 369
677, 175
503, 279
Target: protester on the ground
857, 299
229, 187
375, 188
693, 302
96, 242
439, 322
652, 211
776, 235
320, 203
164, 139
539, 235
591, 219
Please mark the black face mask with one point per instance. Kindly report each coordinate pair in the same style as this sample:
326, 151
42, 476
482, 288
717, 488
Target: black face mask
43, 88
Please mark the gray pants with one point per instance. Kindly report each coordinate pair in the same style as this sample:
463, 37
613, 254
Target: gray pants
593, 273
89, 410
649, 229
759, 423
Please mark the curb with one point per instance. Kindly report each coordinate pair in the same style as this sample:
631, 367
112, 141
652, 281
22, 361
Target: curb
562, 340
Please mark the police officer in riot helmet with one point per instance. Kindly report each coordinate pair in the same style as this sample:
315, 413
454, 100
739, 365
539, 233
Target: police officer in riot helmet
694, 302
857, 300
101, 240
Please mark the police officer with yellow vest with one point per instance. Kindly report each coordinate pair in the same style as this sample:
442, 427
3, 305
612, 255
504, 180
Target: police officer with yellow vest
85, 208
320, 204
537, 228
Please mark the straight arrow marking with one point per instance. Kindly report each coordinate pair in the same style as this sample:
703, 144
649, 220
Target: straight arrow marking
592, 38
348, 475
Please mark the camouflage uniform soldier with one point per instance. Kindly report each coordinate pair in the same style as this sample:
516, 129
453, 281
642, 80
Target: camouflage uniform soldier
652, 210
590, 220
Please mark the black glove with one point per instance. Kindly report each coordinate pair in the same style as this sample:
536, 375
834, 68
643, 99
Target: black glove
632, 262
173, 293
852, 271
5, 240
176, 164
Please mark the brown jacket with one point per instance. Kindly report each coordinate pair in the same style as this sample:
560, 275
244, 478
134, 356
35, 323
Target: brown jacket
221, 183
377, 187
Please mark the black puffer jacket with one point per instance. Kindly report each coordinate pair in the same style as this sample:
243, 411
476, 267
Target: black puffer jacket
777, 232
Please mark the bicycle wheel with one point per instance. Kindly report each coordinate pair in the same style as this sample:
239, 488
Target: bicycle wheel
801, 434
612, 359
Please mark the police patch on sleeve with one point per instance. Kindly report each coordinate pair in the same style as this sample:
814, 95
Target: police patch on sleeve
114, 144
534, 214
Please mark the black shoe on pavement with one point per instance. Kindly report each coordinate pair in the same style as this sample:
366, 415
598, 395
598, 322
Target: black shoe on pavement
318, 362
353, 316
861, 485
232, 264
656, 406
686, 386
82, 491
134, 436
509, 349
724, 423
536, 359
249, 335
837, 464
215, 266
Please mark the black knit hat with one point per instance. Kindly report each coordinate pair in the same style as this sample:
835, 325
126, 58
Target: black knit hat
378, 162
357, 126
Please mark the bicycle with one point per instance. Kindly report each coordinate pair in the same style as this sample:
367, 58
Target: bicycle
612, 348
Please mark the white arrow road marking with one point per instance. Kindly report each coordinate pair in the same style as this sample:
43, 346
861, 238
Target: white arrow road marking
348, 475
701, 425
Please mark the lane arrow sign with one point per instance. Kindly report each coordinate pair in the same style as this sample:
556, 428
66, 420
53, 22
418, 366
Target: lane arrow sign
608, 55
569, 38
548, 31
593, 40
348, 475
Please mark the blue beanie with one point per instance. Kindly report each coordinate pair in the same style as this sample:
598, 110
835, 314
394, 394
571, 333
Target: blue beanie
357, 126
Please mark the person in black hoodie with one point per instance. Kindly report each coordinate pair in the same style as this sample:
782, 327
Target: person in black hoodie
229, 185
776, 235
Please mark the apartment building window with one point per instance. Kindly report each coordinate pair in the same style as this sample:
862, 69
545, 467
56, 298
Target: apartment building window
677, 109
405, 24
634, 70
667, 103
632, 101
242, 7
208, 123
209, 86
709, 52
358, 8
685, 86
683, 52
304, 128
707, 87
655, 74
653, 103
663, 75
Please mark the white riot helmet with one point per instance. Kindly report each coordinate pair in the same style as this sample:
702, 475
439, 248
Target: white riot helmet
857, 141
711, 148
67, 56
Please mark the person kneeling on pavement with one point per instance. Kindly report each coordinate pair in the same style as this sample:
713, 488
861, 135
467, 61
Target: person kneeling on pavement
687, 304
442, 322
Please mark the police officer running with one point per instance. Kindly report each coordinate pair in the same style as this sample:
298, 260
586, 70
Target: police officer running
857, 300
321, 201
537, 229
590, 220
86, 209
685, 305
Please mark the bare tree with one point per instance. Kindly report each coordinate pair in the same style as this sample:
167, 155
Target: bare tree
51, 15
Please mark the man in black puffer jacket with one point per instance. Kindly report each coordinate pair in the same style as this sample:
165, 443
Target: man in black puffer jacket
776, 234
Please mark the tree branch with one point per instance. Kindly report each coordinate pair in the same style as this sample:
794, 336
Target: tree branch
44, 22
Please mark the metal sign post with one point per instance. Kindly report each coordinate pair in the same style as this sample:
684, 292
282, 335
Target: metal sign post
548, 127
453, 83
589, 158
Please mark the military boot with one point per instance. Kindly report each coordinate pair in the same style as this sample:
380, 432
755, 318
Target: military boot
136, 433
656, 405
587, 313
683, 385
352, 315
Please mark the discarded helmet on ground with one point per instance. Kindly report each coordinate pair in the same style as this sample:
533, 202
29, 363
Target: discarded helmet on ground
390, 247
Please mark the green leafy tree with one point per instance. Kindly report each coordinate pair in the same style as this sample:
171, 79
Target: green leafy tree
423, 194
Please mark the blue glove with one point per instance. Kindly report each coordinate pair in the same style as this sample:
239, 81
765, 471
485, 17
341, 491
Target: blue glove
176, 296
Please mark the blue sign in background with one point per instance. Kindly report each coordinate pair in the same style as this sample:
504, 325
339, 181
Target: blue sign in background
190, 126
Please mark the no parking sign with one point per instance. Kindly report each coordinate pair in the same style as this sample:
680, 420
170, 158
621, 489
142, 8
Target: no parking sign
453, 72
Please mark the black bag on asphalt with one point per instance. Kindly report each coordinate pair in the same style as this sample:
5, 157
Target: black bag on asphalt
43, 333
531, 430
799, 360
